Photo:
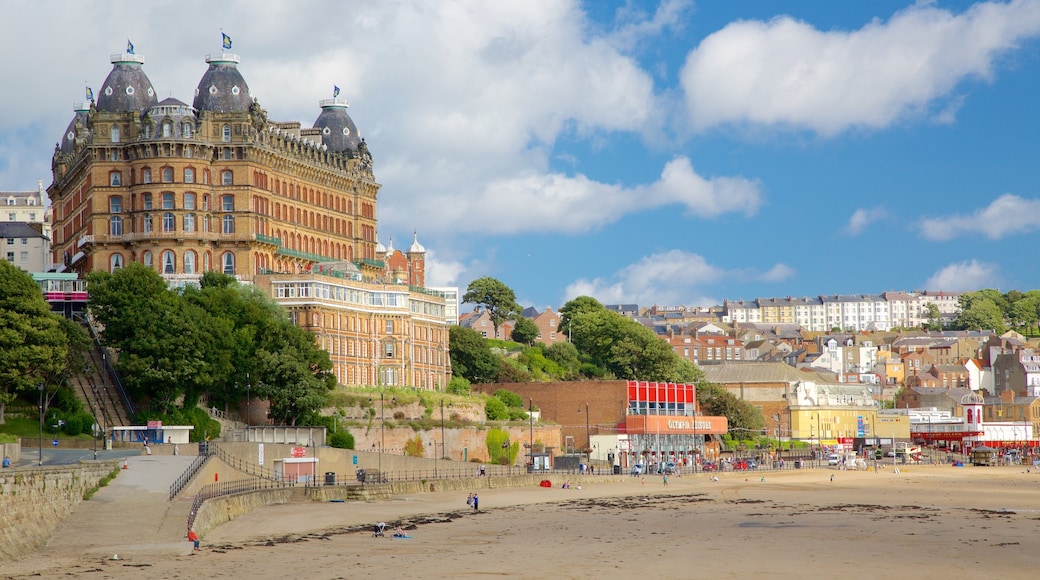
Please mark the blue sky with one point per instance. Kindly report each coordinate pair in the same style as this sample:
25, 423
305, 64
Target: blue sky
670, 152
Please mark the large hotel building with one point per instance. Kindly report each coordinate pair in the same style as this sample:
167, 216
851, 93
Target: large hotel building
216, 186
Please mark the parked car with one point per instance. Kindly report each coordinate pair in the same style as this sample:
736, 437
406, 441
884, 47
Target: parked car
709, 466
637, 469
744, 464
669, 468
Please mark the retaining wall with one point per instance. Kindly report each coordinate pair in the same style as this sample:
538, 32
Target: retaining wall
33, 501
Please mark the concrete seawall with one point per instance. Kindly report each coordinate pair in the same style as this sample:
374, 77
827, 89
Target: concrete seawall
33, 501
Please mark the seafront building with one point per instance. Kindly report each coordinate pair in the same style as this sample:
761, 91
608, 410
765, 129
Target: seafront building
217, 186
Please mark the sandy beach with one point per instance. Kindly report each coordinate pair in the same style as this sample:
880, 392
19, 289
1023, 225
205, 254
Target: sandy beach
924, 522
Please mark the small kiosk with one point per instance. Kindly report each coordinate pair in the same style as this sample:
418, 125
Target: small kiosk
297, 469
983, 455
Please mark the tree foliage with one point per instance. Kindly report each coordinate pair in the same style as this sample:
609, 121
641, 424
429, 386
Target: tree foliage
216, 339
34, 344
741, 415
471, 357
497, 299
525, 331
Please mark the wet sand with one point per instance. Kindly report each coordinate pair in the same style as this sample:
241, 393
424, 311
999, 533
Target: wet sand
925, 522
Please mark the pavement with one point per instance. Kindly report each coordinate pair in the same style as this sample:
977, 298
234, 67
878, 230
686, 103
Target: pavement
132, 515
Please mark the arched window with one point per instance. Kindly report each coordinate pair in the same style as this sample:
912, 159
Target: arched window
226, 133
115, 226
115, 179
228, 260
186, 130
146, 258
168, 223
189, 222
206, 265
189, 262
115, 262
114, 133
146, 223
167, 175
226, 178
169, 262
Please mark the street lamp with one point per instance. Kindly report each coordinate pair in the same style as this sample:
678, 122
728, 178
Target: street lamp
588, 438
530, 418
41, 424
433, 443
249, 414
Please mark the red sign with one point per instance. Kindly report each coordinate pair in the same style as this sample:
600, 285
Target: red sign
299, 452
155, 424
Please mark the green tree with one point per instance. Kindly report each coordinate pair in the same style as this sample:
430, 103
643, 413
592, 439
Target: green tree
495, 409
471, 357
497, 299
501, 451
34, 348
742, 416
934, 317
525, 331
566, 356
980, 313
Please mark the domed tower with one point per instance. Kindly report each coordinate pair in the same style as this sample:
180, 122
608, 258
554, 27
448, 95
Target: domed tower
972, 404
77, 129
338, 131
126, 89
222, 88
416, 262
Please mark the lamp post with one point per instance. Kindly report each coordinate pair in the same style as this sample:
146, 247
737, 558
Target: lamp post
249, 414
778, 453
530, 445
695, 439
588, 438
433, 443
41, 424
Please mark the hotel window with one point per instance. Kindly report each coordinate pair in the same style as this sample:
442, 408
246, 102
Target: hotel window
115, 262
189, 262
228, 261
115, 226
115, 179
146, 223
167, 200
388, 349
146, 175
189, 175
226, 133
146, 201
189, 222
227, 224
227, 203
186, 130
167, 130
189, 200
206, 262
169, 262
115, 204
114, 133
167, 175
168, 223
389, 326
226, 178
146, 258
205, 176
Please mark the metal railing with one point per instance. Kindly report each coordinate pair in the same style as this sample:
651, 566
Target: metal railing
243, 466
227, 488
196, 466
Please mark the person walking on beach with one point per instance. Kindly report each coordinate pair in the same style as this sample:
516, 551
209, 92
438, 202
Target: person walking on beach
476, 503
469, 500
193, 538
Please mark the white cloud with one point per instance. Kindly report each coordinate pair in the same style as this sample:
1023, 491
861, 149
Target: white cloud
670, 278
785, 73
862, 218
965, 277
1007, 215
557, 202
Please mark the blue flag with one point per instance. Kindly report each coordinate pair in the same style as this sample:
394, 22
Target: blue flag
129, 47
227, 41
90, 94
335, 91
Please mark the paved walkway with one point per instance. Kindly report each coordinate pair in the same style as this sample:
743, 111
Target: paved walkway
131, 515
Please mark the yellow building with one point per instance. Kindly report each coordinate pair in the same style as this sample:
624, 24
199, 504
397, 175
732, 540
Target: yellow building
216, 186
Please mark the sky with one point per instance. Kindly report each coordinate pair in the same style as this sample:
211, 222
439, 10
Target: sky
670, 153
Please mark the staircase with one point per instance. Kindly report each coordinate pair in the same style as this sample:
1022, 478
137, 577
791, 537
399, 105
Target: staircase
99, 389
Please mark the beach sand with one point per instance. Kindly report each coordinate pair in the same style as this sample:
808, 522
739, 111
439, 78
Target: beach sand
924, 522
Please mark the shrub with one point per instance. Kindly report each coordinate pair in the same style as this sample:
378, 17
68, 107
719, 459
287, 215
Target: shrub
341, 440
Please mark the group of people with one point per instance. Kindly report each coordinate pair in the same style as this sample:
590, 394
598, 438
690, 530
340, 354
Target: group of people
473, 501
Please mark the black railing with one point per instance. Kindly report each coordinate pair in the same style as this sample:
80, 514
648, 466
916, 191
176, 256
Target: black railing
226, 488
240, 464
196, 465
109, 369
